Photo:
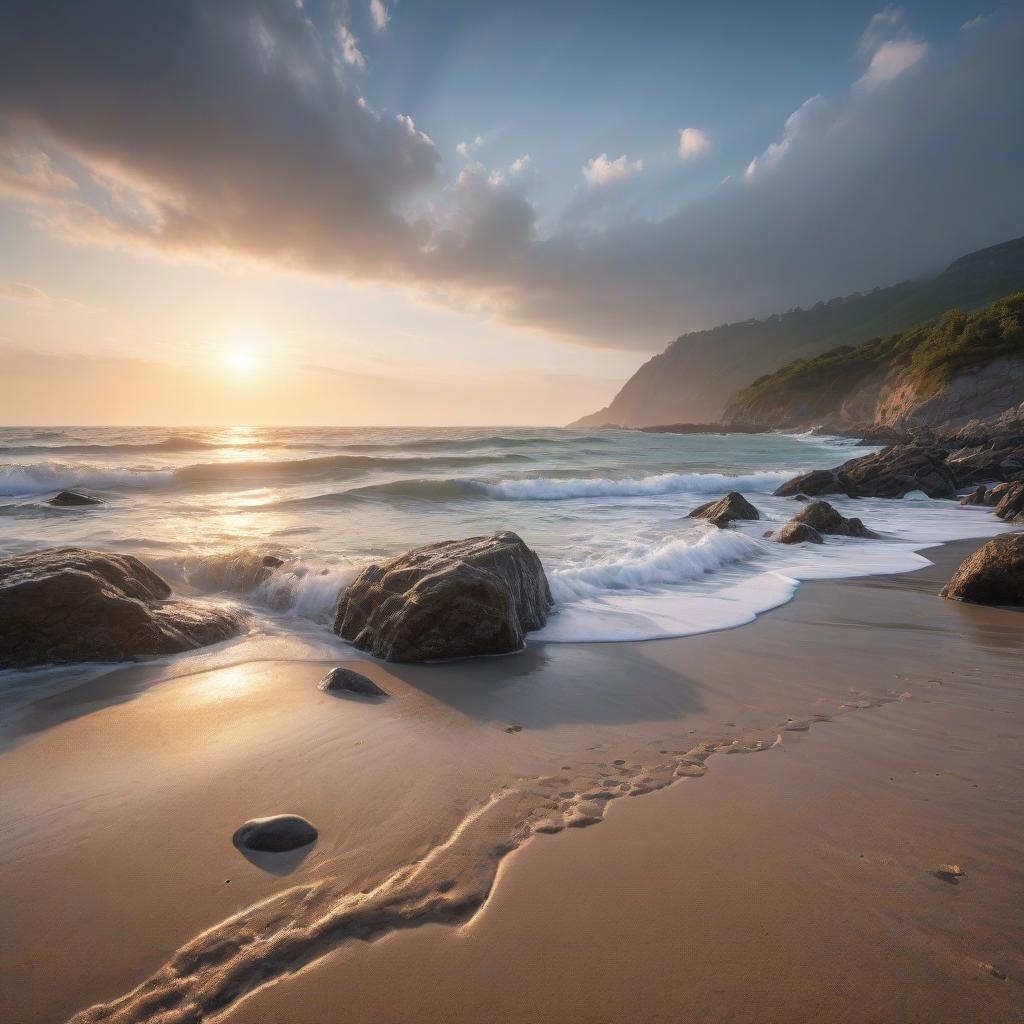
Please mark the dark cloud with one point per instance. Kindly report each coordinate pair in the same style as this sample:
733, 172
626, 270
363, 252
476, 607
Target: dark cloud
231, 125
223, 124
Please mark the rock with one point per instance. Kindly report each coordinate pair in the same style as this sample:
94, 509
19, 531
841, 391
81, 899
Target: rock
825, 519
272, 562
818, 481
68, 499
457, 598
994, 496
799, 533
994, 574
73, 604
890, 473
976, 497
895, 471
276, 834
344, 680
725, 510
1011, 502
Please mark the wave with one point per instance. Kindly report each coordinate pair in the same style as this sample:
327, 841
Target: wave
644, 567
175, 443
272, 579
41, 477
474, 443
554, 489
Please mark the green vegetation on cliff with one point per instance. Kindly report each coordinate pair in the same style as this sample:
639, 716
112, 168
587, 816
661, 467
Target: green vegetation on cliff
926, 358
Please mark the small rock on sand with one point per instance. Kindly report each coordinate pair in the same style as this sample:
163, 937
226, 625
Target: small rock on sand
276, 834
344, 680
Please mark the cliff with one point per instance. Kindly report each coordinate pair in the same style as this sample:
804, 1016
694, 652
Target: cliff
944, 373
692, 380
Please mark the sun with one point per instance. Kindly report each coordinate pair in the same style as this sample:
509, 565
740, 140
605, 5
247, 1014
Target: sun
240, 362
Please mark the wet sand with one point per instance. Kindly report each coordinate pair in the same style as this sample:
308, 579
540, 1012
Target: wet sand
795, 883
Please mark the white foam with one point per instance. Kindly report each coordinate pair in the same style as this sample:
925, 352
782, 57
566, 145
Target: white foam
40, 477
554, 488
645, 566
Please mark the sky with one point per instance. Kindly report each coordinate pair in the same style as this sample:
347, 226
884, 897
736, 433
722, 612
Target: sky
401, 212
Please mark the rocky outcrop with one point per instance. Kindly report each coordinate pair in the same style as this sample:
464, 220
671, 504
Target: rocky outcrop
74, 604
71, 499
1011, 502
695, 377
823, 518
994, 574
725, 510
890, 473
976, 497
277, 834
799, 533
344, 680
454, 599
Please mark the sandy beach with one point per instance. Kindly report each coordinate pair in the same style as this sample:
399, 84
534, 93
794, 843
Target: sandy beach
882, 733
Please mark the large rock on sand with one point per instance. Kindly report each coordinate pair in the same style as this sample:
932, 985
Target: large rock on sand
73, 604
821, 516
277, 834
725, 510
454, 599
994, 574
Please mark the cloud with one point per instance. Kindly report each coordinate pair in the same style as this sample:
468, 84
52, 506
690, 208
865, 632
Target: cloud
113, 133
350, 51
519, 165
888, 24
108, 132
379, 15
602, 171
693, 143
465, 148
891, 60
22, 292
976, 22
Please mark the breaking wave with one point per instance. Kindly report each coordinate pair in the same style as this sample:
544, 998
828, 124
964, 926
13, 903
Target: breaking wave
41, 477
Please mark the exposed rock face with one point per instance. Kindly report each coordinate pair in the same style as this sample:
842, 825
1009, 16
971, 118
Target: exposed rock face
277, 834
1011, 502
976, 497
68, 499
825, 519
725, 510
799, 533
73, 604
453, 599
994, 574
890, 473
344, 680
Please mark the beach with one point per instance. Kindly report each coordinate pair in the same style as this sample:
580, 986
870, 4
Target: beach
878, 730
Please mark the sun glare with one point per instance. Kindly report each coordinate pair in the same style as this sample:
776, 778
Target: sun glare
241, 363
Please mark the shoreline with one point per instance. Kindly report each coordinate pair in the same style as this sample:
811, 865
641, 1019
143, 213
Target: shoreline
454, 717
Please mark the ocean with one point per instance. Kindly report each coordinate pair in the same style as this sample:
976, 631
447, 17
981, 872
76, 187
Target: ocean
606, 511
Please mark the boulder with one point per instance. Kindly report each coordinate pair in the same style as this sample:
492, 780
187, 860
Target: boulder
895, 471
996, 494
344, 680
890, 473
1011, 502
277, 834
976, 497
821, 516
454, 599
799, 533
994, 574
69, 499
725, 510
73, 604
818, 481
